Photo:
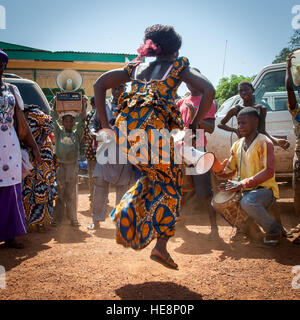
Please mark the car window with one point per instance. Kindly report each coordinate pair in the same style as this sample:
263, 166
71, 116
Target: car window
271, 91
32, 94
227, 105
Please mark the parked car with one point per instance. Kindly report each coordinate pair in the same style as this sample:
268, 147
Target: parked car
269, 87
33, 94
30, 91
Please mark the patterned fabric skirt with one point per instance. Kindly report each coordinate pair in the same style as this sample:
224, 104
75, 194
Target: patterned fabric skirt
39, 193
12, 218
151, 207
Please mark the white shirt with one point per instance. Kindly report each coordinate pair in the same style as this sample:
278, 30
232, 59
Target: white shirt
10, 151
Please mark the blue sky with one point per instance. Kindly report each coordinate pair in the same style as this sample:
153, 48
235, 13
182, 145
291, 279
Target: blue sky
256, 30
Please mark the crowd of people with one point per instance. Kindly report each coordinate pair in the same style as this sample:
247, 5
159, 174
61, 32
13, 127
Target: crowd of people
149, 194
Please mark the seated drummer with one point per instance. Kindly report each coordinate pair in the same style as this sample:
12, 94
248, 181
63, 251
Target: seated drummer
257, 174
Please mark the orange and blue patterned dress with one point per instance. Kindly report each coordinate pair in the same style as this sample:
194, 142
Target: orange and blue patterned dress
151, 207
40, 188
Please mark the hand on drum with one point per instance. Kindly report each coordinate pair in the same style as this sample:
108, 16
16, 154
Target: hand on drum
231, 186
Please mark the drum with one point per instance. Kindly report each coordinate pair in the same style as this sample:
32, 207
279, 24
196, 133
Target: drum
228, 205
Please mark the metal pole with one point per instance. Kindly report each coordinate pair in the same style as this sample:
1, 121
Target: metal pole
224, 59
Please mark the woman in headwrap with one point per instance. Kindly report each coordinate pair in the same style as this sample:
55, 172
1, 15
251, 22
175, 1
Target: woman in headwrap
151, 207
40, 187
13, 129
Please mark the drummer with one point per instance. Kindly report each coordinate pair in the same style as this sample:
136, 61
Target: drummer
257, 174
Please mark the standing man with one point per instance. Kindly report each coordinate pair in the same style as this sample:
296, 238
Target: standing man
106, 174
295, 112
203, 187
90, 150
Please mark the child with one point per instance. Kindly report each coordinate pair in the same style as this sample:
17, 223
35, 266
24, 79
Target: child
257, 173
246, 92
295, 112
67, 143
203, 187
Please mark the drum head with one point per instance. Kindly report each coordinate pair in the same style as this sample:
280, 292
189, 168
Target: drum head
222, 196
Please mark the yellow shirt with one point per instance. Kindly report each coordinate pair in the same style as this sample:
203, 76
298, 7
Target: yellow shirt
257, 166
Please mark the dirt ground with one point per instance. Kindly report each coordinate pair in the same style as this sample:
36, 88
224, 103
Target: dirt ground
67, 263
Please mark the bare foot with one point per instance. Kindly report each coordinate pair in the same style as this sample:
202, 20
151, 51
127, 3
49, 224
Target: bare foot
214, 235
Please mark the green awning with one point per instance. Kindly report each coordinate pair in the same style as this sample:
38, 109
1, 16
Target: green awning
26, 53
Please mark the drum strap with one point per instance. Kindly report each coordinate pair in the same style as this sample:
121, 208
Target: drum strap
239, 179
240, 166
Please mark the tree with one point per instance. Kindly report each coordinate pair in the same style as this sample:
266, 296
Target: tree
293, 45
228, 87
283, 54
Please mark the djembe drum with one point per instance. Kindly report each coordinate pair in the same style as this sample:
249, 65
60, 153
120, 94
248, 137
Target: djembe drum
228, 205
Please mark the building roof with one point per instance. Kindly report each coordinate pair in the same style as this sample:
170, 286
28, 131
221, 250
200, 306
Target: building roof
18, 52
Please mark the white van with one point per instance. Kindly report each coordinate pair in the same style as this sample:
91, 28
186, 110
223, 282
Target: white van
269, 87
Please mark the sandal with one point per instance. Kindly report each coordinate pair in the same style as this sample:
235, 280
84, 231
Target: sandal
297, 240
296, 229
286, 233
271, 240
165, 261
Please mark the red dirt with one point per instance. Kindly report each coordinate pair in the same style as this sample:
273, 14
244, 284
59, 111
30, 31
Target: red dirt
68, 263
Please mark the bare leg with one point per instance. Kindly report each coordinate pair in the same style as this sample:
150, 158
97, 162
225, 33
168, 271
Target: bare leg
212, 218
160, 254
296, 189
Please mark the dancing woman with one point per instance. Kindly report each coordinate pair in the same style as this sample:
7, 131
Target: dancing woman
151, 207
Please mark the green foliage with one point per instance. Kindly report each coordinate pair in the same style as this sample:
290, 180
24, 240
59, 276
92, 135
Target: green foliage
293, 45
283, 54
228, 87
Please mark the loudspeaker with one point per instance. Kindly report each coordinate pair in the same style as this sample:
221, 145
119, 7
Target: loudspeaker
69, 81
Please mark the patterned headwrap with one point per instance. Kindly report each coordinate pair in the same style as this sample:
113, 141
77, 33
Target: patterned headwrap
148, 49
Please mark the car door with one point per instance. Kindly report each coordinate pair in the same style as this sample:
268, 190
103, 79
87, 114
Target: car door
279, 124
270, 91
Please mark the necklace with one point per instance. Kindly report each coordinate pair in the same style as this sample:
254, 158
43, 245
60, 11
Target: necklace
247, 145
